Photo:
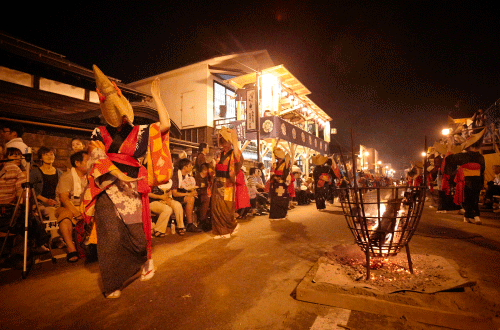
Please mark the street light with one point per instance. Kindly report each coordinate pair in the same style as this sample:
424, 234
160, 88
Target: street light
445, 131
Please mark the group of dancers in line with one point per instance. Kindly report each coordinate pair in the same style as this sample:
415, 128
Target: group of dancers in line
126, 160
281, 183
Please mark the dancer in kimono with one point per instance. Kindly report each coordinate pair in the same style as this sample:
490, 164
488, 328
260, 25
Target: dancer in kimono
469, 167
224, 185
322, 180
116, 200
279, 182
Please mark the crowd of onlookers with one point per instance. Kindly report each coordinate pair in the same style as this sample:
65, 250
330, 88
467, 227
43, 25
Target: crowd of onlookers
56, 194
182, 205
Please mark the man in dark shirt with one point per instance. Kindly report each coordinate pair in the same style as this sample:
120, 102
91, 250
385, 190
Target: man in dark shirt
203, 199
201, 156
260, 166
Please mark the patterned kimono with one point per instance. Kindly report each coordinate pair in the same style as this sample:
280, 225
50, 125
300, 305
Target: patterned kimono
223, 193
120, 210
278, 190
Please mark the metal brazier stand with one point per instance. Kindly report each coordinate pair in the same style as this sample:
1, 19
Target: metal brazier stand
383, 220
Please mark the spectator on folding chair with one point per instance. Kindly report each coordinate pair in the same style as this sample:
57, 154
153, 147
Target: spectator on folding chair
11, 180
16, 156
12, 133
182, 195
44, 179
161, 203
258, 200
262, 196
69, 189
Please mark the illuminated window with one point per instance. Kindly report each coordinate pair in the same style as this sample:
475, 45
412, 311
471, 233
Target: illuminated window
224, 102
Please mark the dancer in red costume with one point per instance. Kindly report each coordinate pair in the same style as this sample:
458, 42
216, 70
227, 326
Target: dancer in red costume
116, 200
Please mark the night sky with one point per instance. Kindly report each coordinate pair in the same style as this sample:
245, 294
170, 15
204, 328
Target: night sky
391, 72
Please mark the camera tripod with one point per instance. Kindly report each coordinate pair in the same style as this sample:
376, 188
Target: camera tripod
31, 209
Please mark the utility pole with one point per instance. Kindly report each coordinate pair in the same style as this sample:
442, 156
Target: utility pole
257, 85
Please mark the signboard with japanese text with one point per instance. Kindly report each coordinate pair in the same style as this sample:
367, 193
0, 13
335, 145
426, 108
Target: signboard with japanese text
275, 127
252, 111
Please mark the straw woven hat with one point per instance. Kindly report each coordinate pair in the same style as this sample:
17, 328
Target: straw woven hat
226, 134
439, 147
319, 160
473, 139
278, 152
114, 105
419, 164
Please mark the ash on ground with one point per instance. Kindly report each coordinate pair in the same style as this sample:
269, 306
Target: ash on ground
345, 265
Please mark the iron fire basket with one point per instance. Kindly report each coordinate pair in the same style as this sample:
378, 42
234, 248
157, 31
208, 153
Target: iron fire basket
383, 219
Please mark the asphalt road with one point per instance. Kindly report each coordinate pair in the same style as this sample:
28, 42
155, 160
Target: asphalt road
246, 282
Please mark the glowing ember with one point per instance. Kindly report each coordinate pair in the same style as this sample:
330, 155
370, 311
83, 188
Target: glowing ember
383, 220
388, 274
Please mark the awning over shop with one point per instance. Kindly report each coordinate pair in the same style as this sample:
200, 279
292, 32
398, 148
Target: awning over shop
289, 83
273, 127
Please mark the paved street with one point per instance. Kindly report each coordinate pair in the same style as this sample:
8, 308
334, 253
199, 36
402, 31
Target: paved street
246, 282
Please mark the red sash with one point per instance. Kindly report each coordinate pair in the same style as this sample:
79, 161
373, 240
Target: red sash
460, 181
221, 167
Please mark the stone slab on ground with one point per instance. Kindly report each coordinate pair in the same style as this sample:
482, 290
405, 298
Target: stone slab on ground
345, 265
333, 283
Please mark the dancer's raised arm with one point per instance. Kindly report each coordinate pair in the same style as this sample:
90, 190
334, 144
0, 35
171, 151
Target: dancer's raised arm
162, 110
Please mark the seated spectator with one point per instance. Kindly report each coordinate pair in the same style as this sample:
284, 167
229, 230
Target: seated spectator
258, 200
11, 180
69, 189
44, 179
262, 196
77, 145
16, 156
161, 203
203, 199
309, 183
182, 195
493, 188
300, 189
12, 135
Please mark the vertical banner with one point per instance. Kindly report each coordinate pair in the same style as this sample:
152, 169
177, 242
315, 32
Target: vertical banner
251, 110
239, 127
